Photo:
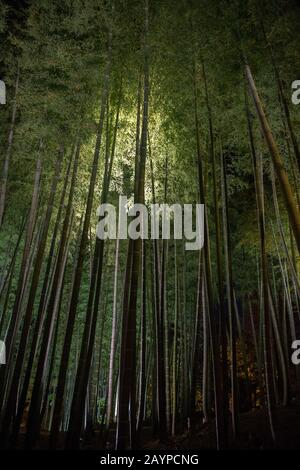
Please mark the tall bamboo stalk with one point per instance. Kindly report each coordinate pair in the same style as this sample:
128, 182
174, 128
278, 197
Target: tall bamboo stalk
291, 206
6, 162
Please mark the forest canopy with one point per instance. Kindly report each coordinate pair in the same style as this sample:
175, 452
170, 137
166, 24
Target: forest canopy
176, 102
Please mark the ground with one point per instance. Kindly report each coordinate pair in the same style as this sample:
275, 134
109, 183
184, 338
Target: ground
254, 434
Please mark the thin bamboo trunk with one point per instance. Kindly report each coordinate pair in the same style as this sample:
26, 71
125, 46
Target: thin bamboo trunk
86, 353
5, 169
212, 324
22, 280
142, 390
11, 403
174, 365
41, 308
34, 422
57, 415
287, 193
126, 425
266, 322
230, 304
113, 339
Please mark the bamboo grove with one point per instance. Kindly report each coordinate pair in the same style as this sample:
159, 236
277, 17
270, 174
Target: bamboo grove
110, 343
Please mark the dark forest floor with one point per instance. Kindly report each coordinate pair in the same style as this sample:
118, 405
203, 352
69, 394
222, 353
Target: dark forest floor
254, 434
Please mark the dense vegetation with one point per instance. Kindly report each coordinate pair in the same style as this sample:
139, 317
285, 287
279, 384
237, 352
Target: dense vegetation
161, 101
